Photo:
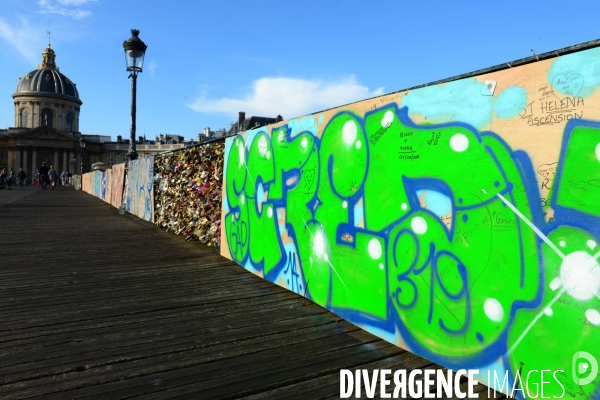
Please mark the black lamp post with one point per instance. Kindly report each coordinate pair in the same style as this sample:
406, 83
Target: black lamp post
135, 50
81, 145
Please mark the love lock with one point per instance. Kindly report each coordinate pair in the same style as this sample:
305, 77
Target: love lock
188, 194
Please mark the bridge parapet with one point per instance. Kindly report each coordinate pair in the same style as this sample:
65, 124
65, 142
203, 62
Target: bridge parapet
459, 220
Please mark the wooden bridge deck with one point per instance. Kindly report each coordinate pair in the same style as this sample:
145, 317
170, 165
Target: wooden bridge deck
94, 304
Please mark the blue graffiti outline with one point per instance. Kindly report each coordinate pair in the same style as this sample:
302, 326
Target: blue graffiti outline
392, 321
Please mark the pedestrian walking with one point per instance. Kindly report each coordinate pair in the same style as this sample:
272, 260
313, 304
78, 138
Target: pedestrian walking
53, 175
44, 169
36, 178
3, 178
21, 175
11, 178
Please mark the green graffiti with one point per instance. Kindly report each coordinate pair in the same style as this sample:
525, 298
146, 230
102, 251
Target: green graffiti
427, 232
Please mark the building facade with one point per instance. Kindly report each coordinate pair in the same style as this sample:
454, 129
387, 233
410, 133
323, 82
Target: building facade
46, 127
46, 120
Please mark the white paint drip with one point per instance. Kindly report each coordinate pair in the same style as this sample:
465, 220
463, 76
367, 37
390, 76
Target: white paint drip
555, 284
418, 225
591, 244
493, 309
598, 151
358, 144
387, 119
304, 142
459, 142
270, 212
374, 248
349, 132
319, 248
380, 266
345, 204
268, 154
580, 275
548, 311
241, 152
562, 243
404, 206
593, 316
243, 199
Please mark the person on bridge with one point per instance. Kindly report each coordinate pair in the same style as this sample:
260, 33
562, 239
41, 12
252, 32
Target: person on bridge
3, 178
21, 175
44, 174
53, 176
11, 178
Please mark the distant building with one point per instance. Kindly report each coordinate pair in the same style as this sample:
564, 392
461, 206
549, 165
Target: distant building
46, 127
243, 124
116, 152
47, 107
246, 124
207, 135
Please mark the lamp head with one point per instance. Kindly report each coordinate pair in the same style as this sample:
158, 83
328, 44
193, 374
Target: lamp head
135, 51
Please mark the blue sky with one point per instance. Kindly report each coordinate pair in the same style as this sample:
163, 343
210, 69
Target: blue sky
207, 60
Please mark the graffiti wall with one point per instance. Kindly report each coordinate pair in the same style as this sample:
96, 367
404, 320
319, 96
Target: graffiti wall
460, 221
100, 184
139, 196
187, 198
116, 184
86, 182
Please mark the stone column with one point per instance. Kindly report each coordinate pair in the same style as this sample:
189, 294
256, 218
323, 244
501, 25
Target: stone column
34, 161
56, 159
78, 163
25, 166
18, 159
70, 160
65, 166
11, 159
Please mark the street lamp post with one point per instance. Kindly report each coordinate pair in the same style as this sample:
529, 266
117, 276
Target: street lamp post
81, 146
135, 50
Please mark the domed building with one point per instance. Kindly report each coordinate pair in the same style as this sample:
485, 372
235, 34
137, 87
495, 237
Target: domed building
47, 107
45, 97
46, 128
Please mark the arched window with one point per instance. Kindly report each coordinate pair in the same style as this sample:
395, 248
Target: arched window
46, 117
24, 118
69, 122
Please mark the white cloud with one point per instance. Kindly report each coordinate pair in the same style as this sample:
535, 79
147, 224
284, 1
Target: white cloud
19, 35
66, 8
289, 97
